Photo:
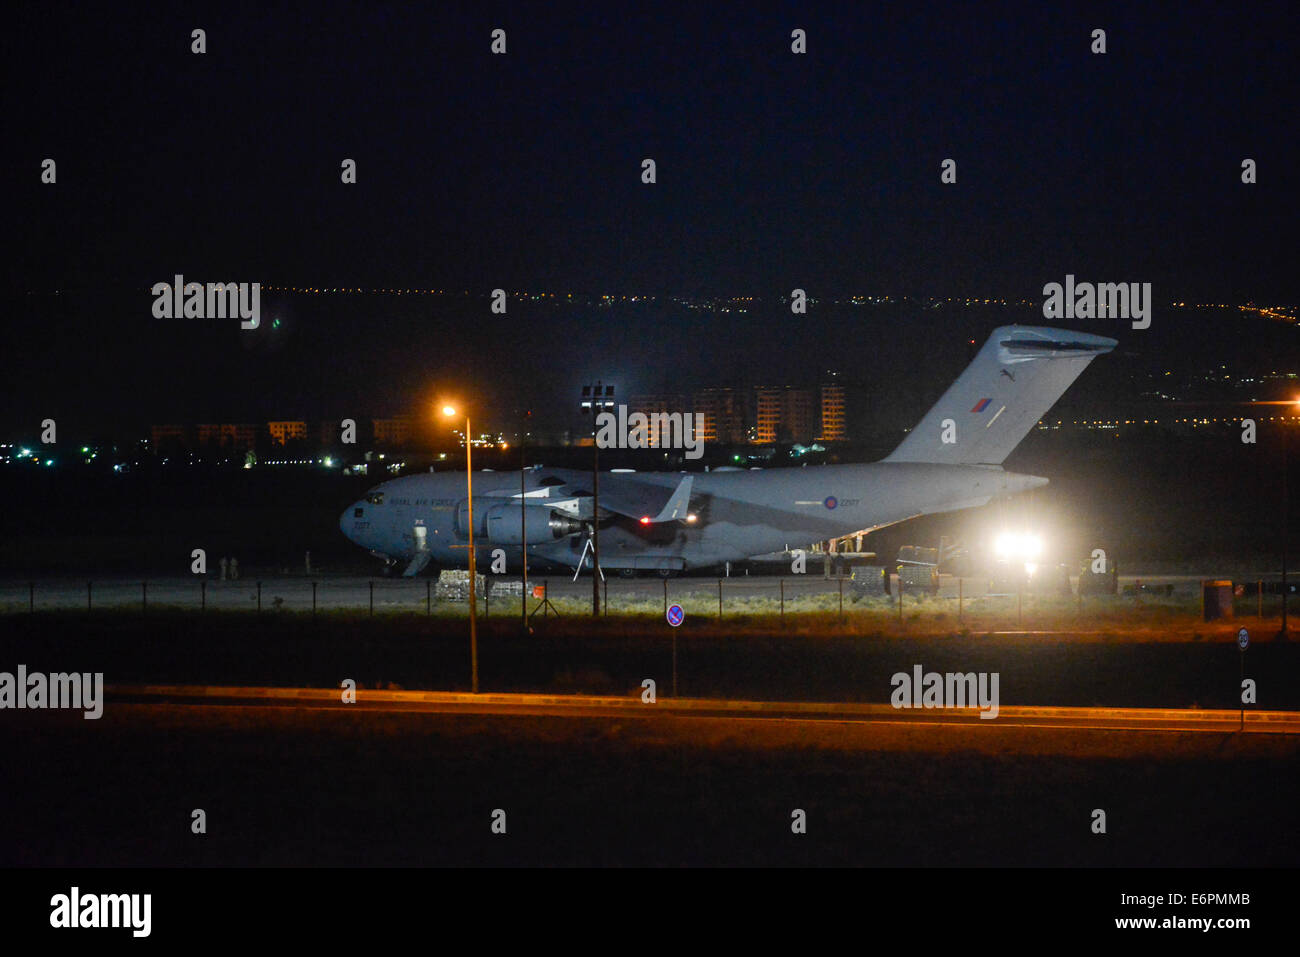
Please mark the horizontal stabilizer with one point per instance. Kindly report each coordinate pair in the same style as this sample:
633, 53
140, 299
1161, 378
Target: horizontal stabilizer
648, 504
677, 507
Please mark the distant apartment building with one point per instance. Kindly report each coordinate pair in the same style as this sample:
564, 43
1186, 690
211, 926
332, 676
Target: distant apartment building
327, 432
723, 413
800, 415
784, 414
767, 414
834, 425
167, 438
284, 432
395, 431
228, 437
648, 405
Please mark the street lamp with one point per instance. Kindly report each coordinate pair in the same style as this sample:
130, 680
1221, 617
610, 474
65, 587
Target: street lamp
450, 411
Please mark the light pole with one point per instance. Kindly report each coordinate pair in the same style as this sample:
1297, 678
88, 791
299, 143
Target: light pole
449, 411
596, 399
523, 529
1286, 521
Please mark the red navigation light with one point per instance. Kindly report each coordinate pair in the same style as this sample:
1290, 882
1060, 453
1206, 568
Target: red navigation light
645, 519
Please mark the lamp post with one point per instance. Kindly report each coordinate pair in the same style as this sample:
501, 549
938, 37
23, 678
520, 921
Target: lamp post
595, 399
449, 411
1286, 521
523, 529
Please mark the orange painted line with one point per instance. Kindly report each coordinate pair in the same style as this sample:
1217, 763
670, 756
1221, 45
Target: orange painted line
1279, 721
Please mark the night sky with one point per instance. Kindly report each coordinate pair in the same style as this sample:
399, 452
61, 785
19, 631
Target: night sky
523, 171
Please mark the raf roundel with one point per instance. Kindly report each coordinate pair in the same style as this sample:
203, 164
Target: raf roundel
831, 501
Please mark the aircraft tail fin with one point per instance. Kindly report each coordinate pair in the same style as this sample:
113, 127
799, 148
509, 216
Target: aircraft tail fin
1013, 381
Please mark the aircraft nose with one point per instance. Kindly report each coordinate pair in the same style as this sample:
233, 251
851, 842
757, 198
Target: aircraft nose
346, 520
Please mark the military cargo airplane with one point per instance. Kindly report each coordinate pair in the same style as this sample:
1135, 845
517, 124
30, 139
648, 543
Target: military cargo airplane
673, 522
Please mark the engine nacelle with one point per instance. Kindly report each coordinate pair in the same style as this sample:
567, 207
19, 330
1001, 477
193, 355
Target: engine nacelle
538, 524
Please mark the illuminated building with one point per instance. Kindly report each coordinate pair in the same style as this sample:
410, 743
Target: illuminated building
832, 413
228, 437
282, 432
394, 431
784, 415
723, 415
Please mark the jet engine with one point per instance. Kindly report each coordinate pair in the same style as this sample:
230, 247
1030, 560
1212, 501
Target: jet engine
511, 525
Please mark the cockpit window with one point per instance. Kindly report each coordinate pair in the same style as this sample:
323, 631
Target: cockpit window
375, 498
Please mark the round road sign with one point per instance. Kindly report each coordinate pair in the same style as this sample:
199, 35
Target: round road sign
1243, 639
675, 615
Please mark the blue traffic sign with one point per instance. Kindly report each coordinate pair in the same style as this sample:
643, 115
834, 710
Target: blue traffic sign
675, 615
1243, 639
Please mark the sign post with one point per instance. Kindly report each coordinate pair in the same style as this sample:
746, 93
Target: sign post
675, 616
1243, 642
